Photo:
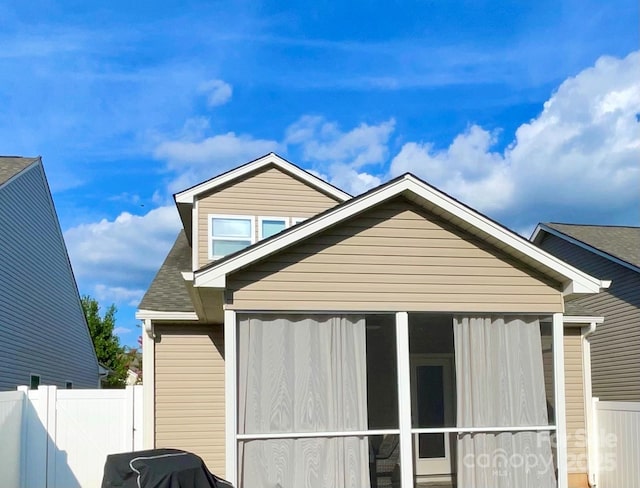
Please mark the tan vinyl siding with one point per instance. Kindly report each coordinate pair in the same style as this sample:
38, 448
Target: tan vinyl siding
574, 395
190, 405
615, 346
393, 257
269, 192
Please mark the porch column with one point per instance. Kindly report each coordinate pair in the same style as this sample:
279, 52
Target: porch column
561, 424
404, 399
230, 397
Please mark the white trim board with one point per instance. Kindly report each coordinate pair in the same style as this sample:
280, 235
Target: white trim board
160, 315
579, 319
189, 195
574, 280
535, 237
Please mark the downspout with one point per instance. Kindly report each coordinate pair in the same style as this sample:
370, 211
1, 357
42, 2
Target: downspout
592, 448
148, 385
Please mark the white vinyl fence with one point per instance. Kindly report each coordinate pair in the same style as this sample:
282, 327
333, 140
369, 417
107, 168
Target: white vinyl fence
618, 440
11, 410
54, 438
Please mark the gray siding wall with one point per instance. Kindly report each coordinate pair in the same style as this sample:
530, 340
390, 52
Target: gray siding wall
615, 347
42, 326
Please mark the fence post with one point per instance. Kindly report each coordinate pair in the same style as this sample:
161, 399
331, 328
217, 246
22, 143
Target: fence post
52, 428
595, 453
24, 431
37, 440
130, 409
138, 423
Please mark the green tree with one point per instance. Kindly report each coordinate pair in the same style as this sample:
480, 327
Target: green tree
106, 343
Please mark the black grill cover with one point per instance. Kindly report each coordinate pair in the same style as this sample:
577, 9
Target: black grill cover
158, 468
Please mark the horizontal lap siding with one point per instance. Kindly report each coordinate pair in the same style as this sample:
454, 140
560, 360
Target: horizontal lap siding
269, 192
42, 325
574, 397
615, 346
190, 404
393, 257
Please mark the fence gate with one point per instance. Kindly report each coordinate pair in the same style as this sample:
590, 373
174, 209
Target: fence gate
64, 436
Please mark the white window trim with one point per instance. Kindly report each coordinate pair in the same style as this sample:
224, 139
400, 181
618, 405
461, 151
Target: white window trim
298, 220
261, 219
210, 237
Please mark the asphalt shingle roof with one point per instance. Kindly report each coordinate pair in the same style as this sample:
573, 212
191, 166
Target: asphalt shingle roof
620, 242
168, 292
12, 165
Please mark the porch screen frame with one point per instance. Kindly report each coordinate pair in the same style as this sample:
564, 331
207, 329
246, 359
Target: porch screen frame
233, 437
405, 429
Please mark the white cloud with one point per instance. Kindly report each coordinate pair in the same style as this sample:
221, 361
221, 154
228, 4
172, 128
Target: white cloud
584, 147
218, 92
122, 330
197, 160
352, 181
467, 169
581, 152
117, 258
323, 141
345, 157
118, 294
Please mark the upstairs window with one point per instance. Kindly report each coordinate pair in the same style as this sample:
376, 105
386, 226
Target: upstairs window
229, 234
271, 225
34, 381
297, 220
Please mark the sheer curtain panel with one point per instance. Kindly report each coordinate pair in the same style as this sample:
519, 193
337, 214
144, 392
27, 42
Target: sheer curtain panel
302, 374
500, 383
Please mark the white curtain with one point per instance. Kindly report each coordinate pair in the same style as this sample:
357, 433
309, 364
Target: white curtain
302, 374
500, 383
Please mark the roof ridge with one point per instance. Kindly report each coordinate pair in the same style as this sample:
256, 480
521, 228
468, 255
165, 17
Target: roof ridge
593, 225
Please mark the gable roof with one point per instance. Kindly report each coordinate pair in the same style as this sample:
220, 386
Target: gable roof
620, 244
10, 166
432, 199
188, 195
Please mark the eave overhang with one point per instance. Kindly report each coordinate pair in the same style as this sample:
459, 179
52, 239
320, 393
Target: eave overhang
574, 282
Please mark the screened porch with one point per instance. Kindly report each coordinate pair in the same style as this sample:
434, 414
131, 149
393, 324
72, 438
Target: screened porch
394, 400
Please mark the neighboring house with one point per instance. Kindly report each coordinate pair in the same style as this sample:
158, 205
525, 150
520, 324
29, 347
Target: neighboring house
611, 253
44, 338
296, 336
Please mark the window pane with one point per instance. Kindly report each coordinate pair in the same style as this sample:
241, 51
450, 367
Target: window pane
271, 227
382, 378
546, 336
222, 248
231, 228
432, 372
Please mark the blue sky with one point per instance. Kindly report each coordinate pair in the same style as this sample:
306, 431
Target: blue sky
528, 111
